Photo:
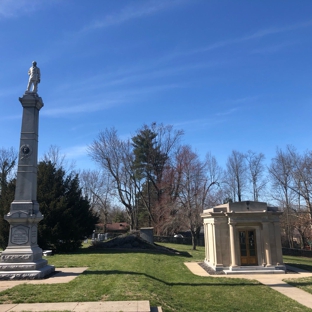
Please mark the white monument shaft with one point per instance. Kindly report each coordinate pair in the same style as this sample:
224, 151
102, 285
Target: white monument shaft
22, 259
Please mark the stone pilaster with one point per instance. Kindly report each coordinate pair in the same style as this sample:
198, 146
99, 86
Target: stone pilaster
232, 244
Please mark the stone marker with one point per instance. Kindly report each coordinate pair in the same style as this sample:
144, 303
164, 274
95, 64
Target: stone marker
22, 259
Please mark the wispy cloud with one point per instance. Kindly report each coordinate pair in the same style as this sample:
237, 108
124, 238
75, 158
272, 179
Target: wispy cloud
262, 33
216, 119
103, 101
276, 30
73, 152
66, 110
274, 48
132, 12
11, 117
13, 9
228, 112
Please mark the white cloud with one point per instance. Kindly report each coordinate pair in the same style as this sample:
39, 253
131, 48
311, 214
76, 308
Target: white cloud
76, 151
103, 101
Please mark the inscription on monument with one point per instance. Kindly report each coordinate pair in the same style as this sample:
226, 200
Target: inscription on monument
19, 235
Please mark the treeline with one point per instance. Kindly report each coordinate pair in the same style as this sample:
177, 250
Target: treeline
165, 184
152, 179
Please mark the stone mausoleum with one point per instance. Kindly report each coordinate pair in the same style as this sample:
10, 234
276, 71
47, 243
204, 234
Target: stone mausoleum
243, 237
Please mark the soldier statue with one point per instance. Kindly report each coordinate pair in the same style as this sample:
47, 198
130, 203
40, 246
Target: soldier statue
34, 77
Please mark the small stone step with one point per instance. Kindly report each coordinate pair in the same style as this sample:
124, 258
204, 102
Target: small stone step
228, 272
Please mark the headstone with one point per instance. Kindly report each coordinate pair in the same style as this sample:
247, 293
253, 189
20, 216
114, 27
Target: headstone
22, 259
147, 234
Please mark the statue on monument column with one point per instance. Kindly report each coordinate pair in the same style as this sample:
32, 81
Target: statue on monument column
34, 77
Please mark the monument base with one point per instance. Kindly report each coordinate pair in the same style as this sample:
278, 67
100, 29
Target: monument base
18, 274
22, 259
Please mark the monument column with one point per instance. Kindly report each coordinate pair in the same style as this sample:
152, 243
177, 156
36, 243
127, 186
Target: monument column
22, 259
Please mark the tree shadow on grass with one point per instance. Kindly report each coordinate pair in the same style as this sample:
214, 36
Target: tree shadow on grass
168, 252
299, 284
306, 267
117, 272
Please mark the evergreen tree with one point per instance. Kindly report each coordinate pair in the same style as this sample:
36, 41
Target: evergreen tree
7, 164
67, 215
6, 197
149, 164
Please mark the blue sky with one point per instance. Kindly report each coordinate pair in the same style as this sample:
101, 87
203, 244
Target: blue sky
231, 74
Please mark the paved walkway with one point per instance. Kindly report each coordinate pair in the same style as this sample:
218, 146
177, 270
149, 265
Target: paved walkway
272, 280
108, 306
65, 275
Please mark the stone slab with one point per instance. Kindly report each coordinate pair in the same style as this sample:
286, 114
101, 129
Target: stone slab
105, 306
27, 275
62, 275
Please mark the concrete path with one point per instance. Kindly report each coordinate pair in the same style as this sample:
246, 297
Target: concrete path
105, 306
272, 280
65, 275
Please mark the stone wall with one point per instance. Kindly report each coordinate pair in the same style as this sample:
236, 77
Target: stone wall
297, 252
178, 240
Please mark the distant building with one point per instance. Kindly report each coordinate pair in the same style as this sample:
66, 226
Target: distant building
112, 228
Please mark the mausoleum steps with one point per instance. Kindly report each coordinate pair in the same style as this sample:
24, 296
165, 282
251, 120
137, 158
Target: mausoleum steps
256, 270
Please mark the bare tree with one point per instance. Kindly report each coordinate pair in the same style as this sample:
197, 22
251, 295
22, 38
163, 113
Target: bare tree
197, 179
8, 159
97, 188
55, 156
282, 191
256, 171
115, 157
214, 174
236, 174
301, 171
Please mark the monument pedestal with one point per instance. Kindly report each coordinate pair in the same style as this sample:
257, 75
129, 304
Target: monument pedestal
22, 259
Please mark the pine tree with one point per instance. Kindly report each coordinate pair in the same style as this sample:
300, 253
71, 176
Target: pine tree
67, 215
7, 186
149, 164
6, 197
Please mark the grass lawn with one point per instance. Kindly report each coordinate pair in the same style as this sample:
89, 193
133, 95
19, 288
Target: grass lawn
303, 263
162, 279
300, 262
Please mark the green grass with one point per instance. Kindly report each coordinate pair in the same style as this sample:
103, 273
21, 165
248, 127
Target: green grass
299, 262
304, 283
163, 279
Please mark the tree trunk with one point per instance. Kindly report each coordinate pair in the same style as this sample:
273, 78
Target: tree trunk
194, 240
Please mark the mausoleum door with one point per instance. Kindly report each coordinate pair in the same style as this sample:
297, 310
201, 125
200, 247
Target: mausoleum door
248, 249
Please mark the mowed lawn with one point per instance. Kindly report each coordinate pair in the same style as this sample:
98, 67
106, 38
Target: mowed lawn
163, 279
303, 263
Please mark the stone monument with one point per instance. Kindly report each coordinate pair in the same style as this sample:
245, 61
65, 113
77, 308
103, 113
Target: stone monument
22, 259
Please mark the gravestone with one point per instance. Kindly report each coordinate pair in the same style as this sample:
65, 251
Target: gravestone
147, 234
22, 259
